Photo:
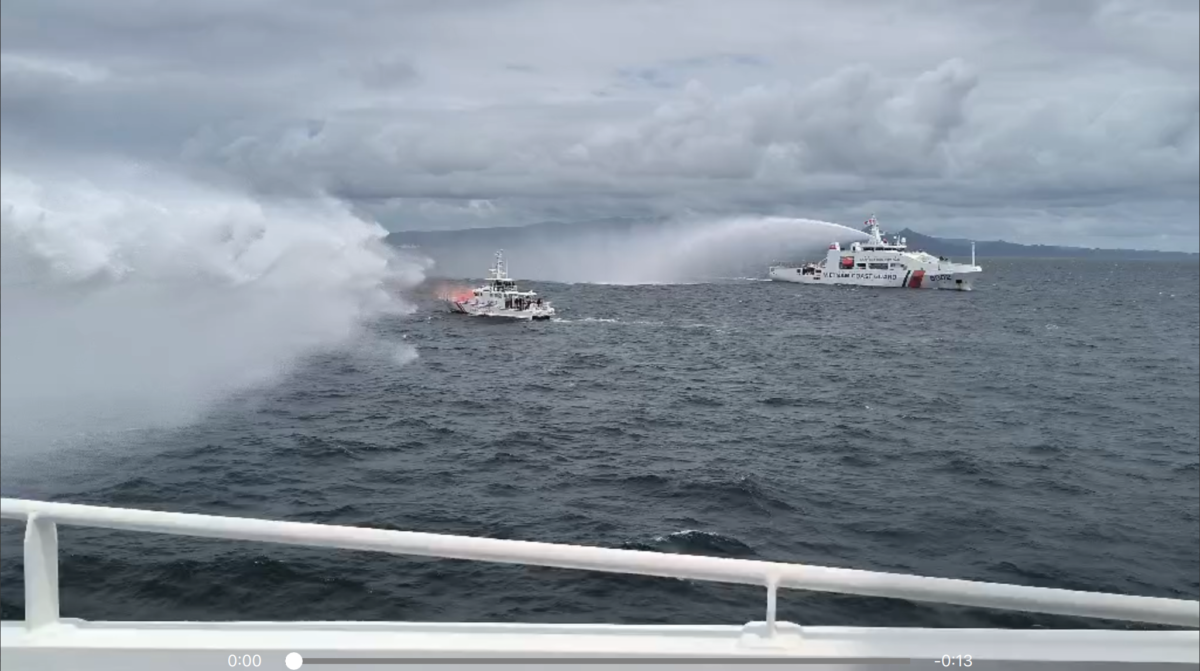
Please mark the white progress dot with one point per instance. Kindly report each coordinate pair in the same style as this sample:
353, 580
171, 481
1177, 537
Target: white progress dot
293, 660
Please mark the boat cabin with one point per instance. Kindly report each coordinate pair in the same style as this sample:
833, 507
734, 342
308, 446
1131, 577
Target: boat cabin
500, 285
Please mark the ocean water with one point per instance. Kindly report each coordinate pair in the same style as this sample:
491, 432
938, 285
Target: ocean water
1041, 430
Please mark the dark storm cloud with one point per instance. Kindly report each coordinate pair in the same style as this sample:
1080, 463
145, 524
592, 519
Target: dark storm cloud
1052, 121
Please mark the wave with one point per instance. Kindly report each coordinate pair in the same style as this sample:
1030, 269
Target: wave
696, 542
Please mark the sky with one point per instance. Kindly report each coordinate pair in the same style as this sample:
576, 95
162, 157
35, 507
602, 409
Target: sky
1059, 122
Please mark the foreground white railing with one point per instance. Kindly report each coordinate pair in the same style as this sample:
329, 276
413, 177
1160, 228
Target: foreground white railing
41, 564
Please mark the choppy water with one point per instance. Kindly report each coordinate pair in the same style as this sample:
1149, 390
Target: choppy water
1041, 430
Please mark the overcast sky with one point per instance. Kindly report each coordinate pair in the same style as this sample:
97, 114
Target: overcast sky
1059, 121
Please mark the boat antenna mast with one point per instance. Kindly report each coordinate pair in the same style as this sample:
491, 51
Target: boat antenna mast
872, 228
498, 270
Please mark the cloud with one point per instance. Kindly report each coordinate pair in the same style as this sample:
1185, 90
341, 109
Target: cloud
1071, 123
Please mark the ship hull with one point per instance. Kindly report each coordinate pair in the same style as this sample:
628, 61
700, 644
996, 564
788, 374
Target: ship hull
528, 314
892, 279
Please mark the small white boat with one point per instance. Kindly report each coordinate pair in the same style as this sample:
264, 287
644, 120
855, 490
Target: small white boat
501, 297
879, 263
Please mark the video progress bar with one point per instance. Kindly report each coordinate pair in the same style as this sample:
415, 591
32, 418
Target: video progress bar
598, 660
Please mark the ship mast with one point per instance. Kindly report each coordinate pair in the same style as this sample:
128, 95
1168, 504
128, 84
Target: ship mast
872, 228
501, 266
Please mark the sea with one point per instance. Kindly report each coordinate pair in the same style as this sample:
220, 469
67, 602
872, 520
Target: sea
1040, 430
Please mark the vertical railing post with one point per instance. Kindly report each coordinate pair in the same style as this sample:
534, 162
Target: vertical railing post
772, 592
41, 572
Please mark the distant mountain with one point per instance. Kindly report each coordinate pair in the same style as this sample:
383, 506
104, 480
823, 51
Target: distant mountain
961, 249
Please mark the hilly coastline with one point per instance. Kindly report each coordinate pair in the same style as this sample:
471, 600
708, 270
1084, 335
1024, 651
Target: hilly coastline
956, 247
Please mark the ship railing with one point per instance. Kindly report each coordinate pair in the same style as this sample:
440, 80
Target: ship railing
42, 518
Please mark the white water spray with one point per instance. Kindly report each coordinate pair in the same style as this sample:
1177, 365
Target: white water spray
678, 251
137, 300
744, 245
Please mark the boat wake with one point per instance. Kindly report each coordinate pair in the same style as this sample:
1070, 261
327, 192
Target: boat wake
606, 320
633, 322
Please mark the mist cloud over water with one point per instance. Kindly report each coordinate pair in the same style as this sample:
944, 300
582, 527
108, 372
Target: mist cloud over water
132, 299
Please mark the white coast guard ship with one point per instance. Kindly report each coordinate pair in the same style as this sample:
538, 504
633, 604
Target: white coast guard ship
500, 297
879, 263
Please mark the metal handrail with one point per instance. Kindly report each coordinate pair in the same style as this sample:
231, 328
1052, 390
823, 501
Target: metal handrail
41, 563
